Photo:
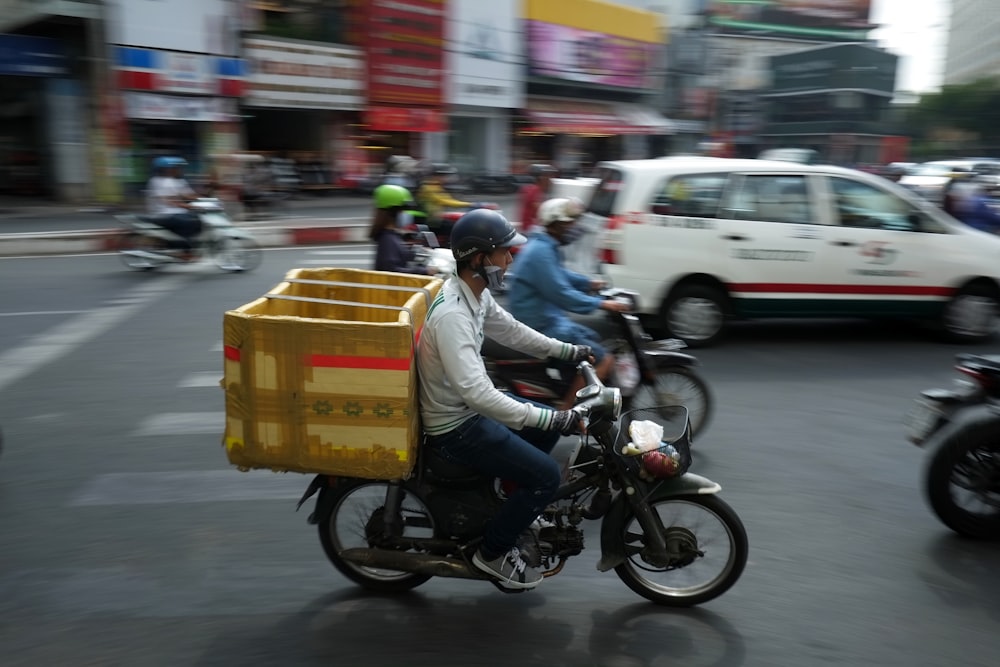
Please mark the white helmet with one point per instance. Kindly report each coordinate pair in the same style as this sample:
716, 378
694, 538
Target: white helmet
560, 209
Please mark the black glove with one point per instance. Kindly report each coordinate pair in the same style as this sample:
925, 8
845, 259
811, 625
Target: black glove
581, 353
565, 421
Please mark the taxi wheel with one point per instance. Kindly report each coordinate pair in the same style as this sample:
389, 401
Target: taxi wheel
696, 314
971, 315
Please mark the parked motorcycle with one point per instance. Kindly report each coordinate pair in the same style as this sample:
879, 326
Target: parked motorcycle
960, 429
670, 539
648, 372
147, 245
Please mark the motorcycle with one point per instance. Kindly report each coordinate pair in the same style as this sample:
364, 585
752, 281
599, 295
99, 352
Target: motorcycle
960, 429
665, 532
648, 372
147, 245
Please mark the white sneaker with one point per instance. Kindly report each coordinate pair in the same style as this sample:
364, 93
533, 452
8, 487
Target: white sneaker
509, 570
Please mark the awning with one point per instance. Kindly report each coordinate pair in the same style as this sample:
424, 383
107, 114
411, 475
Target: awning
562, 116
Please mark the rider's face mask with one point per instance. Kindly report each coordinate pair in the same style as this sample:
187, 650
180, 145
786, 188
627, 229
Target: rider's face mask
570, 234
492, 274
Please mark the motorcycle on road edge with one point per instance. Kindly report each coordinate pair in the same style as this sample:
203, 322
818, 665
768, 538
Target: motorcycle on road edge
148, 246
960, 429
671, 540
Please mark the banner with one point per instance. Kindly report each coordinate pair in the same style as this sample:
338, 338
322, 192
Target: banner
485, 54
405, 52
823, 20
584, 56
150, 106
294, 74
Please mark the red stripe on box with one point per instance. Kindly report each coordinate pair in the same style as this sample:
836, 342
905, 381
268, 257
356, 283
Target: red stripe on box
365, 363
232, 353
797, 288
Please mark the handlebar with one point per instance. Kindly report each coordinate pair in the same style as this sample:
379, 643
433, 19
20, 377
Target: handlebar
589, 374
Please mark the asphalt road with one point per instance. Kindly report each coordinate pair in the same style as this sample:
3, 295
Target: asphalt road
127, 539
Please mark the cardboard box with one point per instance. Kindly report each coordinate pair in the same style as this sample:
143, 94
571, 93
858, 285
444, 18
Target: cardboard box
320, 375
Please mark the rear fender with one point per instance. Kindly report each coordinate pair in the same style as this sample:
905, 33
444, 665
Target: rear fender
612, 548
323, 484
664, 357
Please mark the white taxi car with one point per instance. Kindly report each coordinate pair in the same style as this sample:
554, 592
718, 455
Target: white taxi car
706, 240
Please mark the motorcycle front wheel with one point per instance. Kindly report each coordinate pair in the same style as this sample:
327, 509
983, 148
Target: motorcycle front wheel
677, 385
357, 518
962, 481
708, 546
238, 254
135, 243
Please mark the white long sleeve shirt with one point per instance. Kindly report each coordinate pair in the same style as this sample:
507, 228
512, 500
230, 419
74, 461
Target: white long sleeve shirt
454, 385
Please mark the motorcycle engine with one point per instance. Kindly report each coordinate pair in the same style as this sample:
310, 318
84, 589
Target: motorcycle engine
538, 546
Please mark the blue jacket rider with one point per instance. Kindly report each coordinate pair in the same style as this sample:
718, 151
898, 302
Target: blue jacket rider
543, 290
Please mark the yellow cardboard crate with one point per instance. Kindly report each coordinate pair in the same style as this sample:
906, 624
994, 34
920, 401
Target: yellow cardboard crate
320, 375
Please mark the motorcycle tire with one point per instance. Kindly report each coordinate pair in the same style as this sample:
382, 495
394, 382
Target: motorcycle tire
238, 254
967, 466
355, 517
693, 549
677, 385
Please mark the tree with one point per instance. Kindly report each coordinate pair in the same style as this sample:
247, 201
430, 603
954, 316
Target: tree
960, 117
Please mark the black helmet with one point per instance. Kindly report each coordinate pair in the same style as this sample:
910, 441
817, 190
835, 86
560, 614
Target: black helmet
537, 170
482, 230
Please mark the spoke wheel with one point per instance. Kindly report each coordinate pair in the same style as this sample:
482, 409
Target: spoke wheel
236, 255
963, 482
708, 548
356, 521
677, 385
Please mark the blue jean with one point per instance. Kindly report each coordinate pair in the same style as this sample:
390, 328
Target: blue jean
491, 448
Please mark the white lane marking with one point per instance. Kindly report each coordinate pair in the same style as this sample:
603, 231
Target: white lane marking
183, 423
194, 486
21, 361
365, 252
24, 313
202, 379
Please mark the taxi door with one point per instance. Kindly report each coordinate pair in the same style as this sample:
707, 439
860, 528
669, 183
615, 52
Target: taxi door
887, 256
772, 244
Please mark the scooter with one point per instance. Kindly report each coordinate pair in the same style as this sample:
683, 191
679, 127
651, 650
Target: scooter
147, 245
959, 427
648, 372
664, 531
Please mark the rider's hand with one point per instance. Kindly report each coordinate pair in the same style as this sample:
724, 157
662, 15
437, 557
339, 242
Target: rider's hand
615, 306
566, 422
597, 284
582, 353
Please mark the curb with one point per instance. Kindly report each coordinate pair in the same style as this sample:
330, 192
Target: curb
109, 240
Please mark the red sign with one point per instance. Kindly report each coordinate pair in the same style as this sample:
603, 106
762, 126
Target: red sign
405, 119
405, 52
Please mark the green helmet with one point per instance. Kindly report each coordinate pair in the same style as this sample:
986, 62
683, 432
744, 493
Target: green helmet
392, 196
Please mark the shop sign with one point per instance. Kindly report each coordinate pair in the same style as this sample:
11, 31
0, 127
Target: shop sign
195, 26
484, 54
23, 55
150, 106
820, 20
294, 74
186, 73
573, 54
405, 119
405, 52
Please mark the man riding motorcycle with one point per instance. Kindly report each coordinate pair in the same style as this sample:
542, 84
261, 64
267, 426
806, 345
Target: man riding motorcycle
470, 422
542, 289
167, 198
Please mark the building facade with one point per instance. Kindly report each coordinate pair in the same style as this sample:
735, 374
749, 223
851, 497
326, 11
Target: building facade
973, 50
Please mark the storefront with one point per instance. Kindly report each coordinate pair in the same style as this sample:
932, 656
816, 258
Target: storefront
588, 72
486, 85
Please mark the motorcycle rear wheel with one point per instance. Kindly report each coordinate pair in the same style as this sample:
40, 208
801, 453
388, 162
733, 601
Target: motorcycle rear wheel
677, 385
710, 547
354, 520
962, 481
238, 254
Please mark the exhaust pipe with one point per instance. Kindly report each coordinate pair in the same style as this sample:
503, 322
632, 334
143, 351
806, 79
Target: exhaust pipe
428, 564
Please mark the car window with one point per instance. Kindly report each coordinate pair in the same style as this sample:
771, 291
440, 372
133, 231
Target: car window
603, 200
863, 205
695, 195
769, 197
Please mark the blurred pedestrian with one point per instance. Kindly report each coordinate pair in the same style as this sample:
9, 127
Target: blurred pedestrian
534, 193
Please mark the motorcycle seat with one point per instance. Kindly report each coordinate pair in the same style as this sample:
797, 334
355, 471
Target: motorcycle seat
440, 469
